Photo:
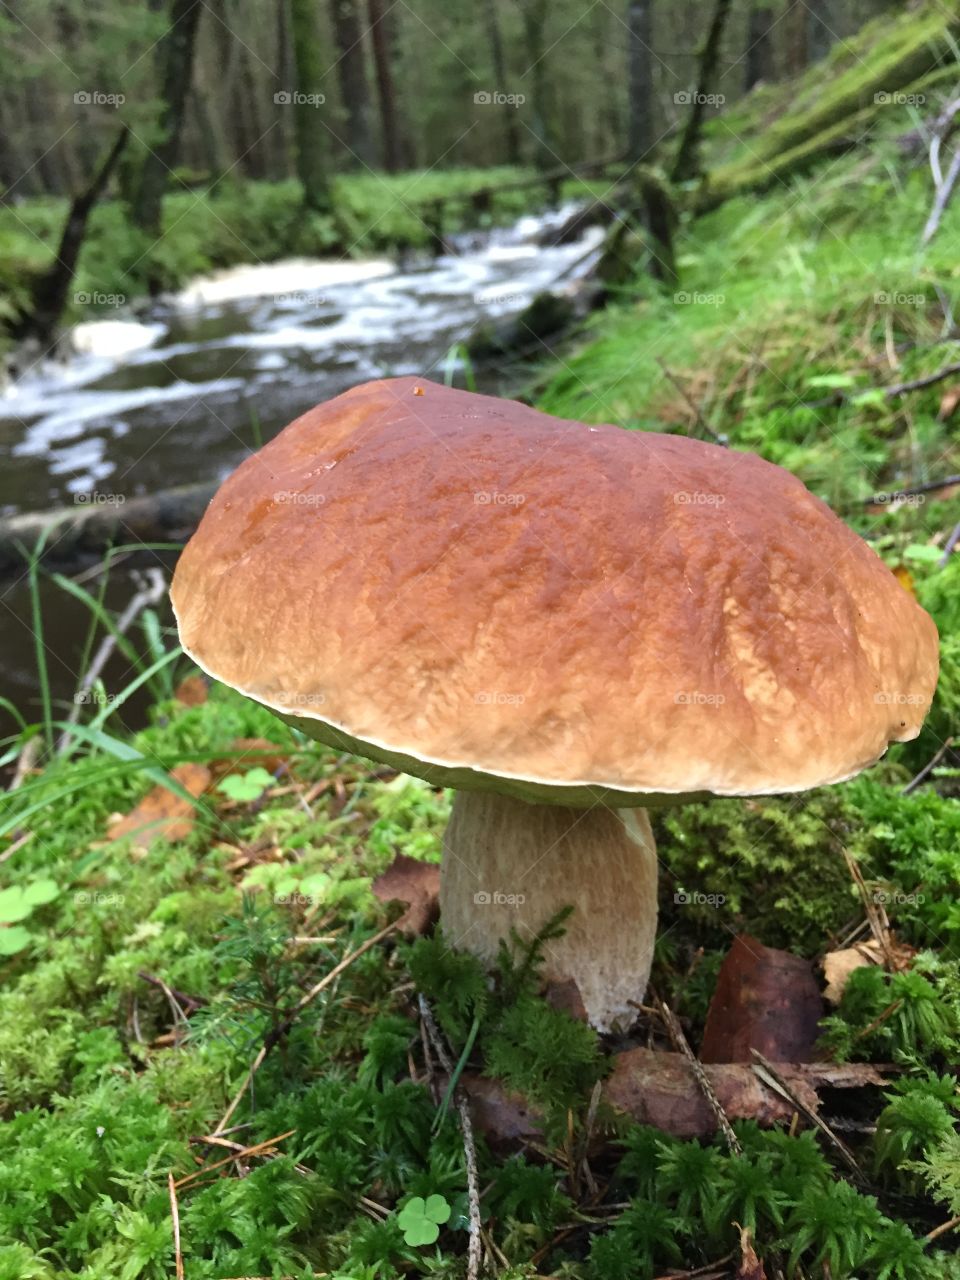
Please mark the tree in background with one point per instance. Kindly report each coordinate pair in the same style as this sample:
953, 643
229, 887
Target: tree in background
758, 58
534, 14
640, 134
308, 136
352, 79
383, 54
176, 59
687, 163
511, 125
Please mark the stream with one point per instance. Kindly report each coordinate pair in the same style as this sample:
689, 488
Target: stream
182, 390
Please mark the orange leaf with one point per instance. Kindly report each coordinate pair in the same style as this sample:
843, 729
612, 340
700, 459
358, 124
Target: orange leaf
162, 814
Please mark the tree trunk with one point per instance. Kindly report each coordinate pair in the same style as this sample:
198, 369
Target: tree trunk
511, 125
534, 14
50, 291
176, 56
796, 37
382, 56
758, 60
311, 169
820, 29
687, 164
639, 79
352, 76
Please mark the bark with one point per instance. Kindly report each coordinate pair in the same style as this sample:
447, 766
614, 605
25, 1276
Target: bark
511, 124
383, 58
796, 34
820, 29
352, 77
639, 79
50, 291
76, 535
308, 132
687, 164
534, 14
176, 55
758, 61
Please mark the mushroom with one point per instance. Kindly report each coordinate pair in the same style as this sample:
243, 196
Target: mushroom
568, 624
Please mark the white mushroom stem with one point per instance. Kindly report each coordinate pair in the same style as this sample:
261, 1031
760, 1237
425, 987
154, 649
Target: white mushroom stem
509, 864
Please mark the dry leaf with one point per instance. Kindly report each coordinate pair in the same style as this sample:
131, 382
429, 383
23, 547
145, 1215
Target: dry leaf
765, 999
751, 1268
162, 814
260, 754
417, 884
948, 402
192, 691
838, 966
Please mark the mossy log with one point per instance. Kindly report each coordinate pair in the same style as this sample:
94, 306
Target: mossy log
903, 61
76, 535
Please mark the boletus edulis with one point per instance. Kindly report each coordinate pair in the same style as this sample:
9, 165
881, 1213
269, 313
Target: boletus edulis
568, 624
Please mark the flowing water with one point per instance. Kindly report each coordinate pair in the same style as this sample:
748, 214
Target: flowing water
182, 392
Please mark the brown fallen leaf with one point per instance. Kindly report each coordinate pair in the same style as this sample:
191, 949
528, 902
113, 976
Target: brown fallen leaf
162, 814
192, 691
417, 884
751, 1268
659, 1089
948, 402
838, 966
765, 999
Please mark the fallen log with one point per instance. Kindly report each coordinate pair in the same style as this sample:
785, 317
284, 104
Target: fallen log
76, 535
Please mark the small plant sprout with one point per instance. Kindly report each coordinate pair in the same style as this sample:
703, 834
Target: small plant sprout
420, 1220
16, 904
246, 787
694, 624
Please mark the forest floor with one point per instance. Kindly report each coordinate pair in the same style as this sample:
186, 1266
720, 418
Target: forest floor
165, 1040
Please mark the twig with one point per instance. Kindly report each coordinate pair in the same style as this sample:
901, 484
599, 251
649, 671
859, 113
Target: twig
277, 1033
929, 767
768, 1073
469, 1144
949, 546
876, 918
943, 1228
175, 1215
898, 389
696, 1066
701, 422
25, 761
258, 1149
897, 495
181, 997
941, 199
152, 593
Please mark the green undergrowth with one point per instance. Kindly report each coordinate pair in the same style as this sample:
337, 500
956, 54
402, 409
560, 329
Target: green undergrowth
207, 230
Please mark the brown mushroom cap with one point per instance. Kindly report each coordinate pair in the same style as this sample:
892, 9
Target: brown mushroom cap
491, 597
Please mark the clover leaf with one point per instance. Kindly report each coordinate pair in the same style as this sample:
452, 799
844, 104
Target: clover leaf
246, 786
420, 1220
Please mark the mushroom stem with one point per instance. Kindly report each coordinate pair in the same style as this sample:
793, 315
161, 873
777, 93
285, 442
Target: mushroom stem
509, 864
